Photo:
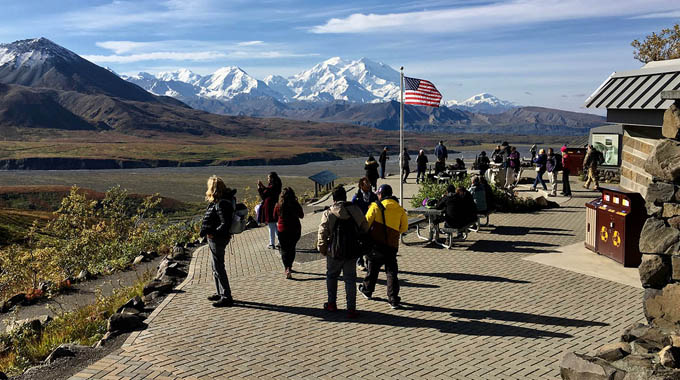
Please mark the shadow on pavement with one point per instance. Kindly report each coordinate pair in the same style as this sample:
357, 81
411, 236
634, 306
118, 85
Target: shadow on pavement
360, 279
466, 277
511, 246
475, 328
521, 231
512, 316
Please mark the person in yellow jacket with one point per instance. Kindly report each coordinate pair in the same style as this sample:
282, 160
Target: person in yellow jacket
385, 233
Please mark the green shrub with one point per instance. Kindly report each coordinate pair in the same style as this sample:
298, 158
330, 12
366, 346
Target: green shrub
435, 190
97, 236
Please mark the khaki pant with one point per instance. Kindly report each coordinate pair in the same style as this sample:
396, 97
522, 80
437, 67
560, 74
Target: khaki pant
552, 176
592, 177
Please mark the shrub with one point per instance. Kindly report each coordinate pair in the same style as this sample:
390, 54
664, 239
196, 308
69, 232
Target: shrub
97, 236
436, 190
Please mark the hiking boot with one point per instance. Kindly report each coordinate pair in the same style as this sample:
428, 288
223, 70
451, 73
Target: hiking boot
224, 302
352, 314
270, 246
362, 290
330, 306
215, 297
395, 303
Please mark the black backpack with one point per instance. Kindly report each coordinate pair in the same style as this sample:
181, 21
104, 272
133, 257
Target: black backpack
345, 240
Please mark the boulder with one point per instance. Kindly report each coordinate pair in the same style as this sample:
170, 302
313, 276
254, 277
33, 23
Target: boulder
644, 347
656, 237
670, 210
135, 302
13, 301
669, 357
671, 122
177, 252
583, 367
64, 351
35, 323
613, 351
124, 322
664, 162
151, 296
673, 249
662, 307
138, 260
659, 192
654, 271
634, 331
161, 286
172, 273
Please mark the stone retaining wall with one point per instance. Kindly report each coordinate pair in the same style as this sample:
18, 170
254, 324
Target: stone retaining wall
648, 351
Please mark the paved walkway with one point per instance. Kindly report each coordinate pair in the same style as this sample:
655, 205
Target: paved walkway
478, 311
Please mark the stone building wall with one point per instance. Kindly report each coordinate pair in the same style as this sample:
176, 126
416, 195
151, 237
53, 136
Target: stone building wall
638, 144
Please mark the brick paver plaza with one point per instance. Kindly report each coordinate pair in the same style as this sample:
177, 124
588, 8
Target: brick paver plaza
479, 311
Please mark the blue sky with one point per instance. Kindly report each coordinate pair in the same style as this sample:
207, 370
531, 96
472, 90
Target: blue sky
551, 53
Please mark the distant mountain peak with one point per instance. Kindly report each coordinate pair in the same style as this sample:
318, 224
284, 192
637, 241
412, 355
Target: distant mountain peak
33, 51
484, 102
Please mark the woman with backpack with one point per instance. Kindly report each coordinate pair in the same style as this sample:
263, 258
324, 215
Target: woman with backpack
288, 213
270, 195
215, 226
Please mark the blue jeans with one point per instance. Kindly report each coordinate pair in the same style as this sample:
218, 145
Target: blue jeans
272, 233
349, 273
539, 178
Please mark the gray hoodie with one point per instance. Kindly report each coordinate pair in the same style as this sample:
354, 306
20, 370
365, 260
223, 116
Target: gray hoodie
339, 210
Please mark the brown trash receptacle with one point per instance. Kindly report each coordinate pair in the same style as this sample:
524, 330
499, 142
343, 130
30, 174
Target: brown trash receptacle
574, 161
620, 218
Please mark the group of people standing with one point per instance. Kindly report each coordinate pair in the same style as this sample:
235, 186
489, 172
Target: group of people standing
343, 226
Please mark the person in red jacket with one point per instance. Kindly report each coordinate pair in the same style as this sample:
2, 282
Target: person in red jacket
270, 195
288, 213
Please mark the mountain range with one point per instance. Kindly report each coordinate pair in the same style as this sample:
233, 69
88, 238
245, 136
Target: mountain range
48, 86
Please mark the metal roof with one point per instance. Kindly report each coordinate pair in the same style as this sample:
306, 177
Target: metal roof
324, 178
638, 89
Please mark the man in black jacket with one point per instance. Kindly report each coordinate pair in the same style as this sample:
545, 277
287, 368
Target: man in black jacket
383, 161
459, 207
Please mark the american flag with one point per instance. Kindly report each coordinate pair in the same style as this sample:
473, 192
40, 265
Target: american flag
421, 92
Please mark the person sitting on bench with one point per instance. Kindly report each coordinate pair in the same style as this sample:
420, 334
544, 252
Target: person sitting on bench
479, 195
459, 208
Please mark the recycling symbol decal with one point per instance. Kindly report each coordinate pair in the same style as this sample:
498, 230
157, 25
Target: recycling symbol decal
604, 235
616, 239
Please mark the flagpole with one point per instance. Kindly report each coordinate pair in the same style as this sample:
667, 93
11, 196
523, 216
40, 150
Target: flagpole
401, 138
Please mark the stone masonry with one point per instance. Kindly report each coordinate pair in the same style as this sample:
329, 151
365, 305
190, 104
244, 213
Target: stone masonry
650, 351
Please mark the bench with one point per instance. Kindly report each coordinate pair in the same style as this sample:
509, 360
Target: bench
449, 233
413, 222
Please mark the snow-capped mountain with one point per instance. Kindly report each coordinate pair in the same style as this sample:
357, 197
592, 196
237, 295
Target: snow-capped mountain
484, 102
361, 81
40, 62
224, 84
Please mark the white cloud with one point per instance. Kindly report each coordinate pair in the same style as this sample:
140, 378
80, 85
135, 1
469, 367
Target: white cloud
499, 14
155, 56
250, 43
675, 14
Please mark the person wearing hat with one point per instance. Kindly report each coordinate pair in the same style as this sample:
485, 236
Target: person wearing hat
387, 220
215, 226
383, 161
